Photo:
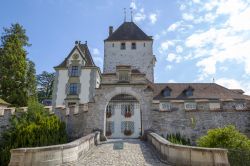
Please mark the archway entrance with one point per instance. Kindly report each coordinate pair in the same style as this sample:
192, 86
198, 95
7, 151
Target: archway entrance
123, 117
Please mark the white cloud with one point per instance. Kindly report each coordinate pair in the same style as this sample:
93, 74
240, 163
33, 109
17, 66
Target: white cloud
96, 51
165, 45
174, 26
133, 5
153, 18
179, 49
140, 16
173, 58
187, 16
196, 1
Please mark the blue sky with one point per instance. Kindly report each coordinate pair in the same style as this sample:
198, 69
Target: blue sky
194, 40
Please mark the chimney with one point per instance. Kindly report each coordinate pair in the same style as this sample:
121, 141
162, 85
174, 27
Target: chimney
110, 30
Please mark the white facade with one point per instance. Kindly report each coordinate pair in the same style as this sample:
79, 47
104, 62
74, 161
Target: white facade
87, 80
141, 58
62, 76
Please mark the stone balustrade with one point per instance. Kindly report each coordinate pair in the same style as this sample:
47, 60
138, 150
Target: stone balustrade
56, 154
187, 155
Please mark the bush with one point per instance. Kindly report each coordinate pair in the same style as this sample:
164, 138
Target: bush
34, 128
229, 138
178, 139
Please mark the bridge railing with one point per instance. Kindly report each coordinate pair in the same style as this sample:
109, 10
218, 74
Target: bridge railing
187, 155
55, 154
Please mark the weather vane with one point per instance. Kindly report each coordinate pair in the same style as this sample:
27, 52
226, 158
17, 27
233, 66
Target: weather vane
131, 12
124, 14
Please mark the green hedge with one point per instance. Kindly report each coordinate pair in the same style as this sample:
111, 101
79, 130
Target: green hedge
238, 144
34, 128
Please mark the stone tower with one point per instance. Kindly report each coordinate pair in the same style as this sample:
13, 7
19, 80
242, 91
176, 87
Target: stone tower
129, 45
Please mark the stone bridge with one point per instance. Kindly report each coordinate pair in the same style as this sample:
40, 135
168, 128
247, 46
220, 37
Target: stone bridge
89, 151
121, 152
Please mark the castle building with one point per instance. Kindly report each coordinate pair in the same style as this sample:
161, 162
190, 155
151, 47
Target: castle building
124, 100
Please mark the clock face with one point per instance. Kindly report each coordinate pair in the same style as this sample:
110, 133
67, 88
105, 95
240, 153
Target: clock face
75, 56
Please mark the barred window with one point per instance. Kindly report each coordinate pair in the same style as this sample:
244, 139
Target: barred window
165, 106
73, 89
123, 76
190, 106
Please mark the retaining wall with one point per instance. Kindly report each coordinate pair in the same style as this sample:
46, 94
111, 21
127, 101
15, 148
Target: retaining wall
54, 155
187, 155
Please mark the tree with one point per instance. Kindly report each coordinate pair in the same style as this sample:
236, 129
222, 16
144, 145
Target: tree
13, 65
45, 85
32, 129
238, 144
31, 80
227, 137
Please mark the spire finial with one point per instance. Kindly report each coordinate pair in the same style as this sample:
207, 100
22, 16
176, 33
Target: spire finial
124, 14
213, 80
131, 12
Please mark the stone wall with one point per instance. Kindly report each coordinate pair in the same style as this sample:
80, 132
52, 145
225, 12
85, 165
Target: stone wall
56, 154
193, 124
187, 155
141, 58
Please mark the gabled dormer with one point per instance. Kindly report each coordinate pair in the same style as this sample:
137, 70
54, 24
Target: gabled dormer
166, 92
188, 91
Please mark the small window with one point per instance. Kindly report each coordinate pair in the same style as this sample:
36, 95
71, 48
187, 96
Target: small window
123, 76
73, 89
166, 93
240, 106
190, 106
123, 46
74, 71
133, 46
189, 92
165, 106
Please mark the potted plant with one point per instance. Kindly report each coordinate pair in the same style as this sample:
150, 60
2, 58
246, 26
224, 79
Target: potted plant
108, 114
128, 114
127, 132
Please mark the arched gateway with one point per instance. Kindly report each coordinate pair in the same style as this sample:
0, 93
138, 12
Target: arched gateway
123, 117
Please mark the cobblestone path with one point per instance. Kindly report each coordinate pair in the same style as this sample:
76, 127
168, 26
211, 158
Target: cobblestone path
121, 152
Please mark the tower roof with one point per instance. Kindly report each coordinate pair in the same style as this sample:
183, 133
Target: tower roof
128, 31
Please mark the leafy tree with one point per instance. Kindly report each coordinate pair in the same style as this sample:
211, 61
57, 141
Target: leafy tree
31, 80
13, 65
227, 137
238, 144
45, 85
34, 128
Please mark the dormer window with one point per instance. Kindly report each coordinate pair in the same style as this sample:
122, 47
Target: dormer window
133, 46
74, 71
166, 92
123, 46
189, 91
